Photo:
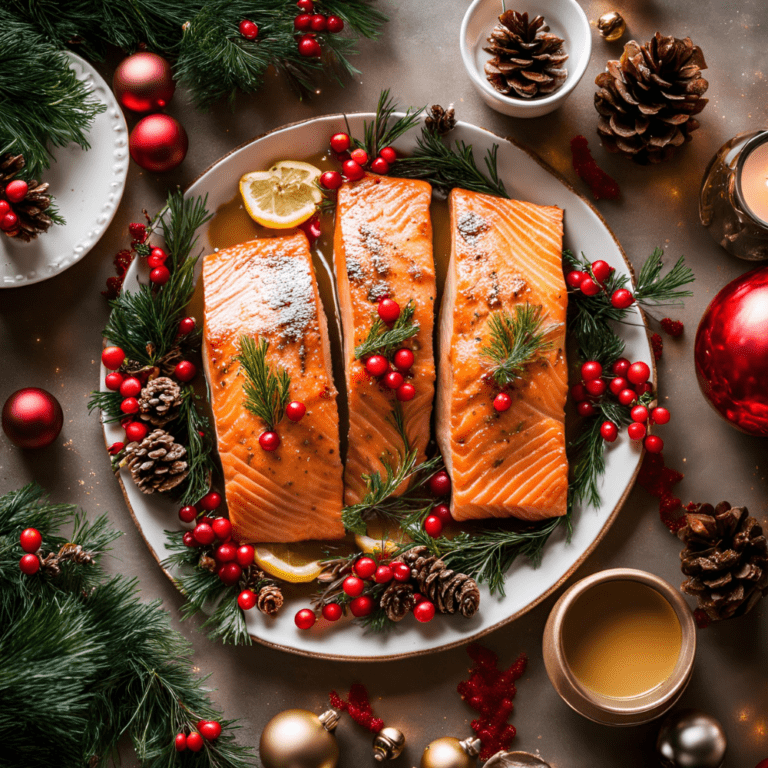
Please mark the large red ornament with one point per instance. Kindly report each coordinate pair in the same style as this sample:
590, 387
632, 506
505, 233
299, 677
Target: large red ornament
731, 352
32, 418
158, 143
144, 82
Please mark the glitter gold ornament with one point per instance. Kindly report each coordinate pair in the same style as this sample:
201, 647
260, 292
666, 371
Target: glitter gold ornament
449, 752
611, 25
297, 738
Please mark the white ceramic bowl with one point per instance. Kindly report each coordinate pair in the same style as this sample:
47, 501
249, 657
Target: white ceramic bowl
565, 18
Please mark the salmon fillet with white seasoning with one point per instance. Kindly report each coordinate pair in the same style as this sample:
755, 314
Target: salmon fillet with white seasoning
503, 253
266, 289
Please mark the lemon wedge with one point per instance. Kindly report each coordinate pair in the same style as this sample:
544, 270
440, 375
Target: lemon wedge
383, 537
296, 563
284, 196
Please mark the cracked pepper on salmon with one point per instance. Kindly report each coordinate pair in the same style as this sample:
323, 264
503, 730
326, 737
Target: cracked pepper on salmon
267, 289
503, 253
383, 248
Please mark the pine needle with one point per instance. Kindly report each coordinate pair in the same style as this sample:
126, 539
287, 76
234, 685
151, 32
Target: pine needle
379, 133
266, 392
382, 340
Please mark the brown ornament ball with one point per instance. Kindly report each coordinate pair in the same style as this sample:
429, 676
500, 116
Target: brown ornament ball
611, 25
158, 143
297, 738
447, 752
32, 418
144, 82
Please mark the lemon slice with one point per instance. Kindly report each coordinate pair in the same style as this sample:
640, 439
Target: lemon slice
383, 536
282, 197
297, 563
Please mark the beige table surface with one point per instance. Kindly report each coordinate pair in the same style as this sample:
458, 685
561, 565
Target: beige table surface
50, 337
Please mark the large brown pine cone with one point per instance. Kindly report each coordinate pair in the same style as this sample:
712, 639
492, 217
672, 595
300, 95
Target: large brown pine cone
527, 58
160, 401
725, 558
450, 592
648, 98
33, 220
398, 600
157, 462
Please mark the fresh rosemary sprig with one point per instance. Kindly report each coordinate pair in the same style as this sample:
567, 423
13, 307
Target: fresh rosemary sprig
654, 289
187, 429
385, 341
266, 392
517, 339
379, 133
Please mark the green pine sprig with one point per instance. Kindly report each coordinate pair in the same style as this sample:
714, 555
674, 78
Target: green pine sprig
382, 340
654, 289
192, 430
266, 391
380, 132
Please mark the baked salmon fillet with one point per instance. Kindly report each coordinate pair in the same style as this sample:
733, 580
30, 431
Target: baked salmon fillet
504, 253
266, 289
383, 248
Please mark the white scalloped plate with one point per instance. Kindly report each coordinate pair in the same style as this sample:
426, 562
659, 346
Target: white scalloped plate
525, 177
88, 187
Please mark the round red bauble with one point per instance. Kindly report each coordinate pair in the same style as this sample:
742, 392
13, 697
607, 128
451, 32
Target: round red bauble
16, 190
9, 221
601, 270
143, 82
305, 618
332, 611
731, 353
660, 415
4, 207
225, 553
306, 5
158, 143
405, 392
248, 29
160, 275
29, 564
585, 409
574, 278
194, 741
269, 441
340, 142
588, 286
130, 405
361, 606
180, 742
203, 534
424, 611
443, 512
32, 418
210, 501
364, 567
627, 396
578, 393
596, 387
440, 483
331, 180
30, 540
334, 24
622, 299
189, 539
244, 555
618, 384
295, 410
639, 413
246, 599
636, 431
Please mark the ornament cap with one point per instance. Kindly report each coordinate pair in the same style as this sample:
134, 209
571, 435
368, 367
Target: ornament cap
388, 744
330, 719
471, 746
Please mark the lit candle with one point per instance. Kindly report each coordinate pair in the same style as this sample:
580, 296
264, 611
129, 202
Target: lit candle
753, 182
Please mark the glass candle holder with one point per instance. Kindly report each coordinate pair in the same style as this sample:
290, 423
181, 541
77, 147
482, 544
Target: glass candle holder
733, 201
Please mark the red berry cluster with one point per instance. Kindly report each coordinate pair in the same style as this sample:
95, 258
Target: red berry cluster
659, 480
354, 162
440, 515
310, 24
207, 730
15, 192
30, 540
490, 691
593, 281
358, 706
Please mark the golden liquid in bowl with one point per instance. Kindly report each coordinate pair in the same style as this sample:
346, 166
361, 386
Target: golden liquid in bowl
621, 639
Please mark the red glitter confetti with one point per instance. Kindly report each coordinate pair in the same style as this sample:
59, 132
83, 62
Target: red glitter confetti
674, 328
138, 232
657, 345
658, 480
358, 706
490, 691
702, 620
600, 183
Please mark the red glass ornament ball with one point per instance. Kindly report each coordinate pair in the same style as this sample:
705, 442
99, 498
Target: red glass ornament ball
305, 618
334, 24
440, 483
318, 23
187, 514
380, 166
230, 573
158, 143
601, 270
210, 501
302, 22
30, 540
443, 513
130, 387
377, 365
578, 393
204, 534
433, 526
585, 408
194, 741
591, 370
359, 155
331, 180
639, 414
306, 5
638, 373
361, 606
269, 441
340, 142
636, 431
388, 154
136, 431
388, 310
403, 359
180, 742
762, 763
130, 405
226, 553
353, 586
424, 611
405, 392
574, 277
588, 286
222, 528
660, 415
309, 47
609, 431
622, 299
187, 325
383, 574
9, 221
627, 396
113, 381
654, 444
160, 275
353, 170
16, 190
189, 539
364, 567
295, 410
112, 358
502, 402
244, 555
617, 384
596, 387
332, 611
393, 379
620, 367
248, 29
401, 572
143, 82
29, 564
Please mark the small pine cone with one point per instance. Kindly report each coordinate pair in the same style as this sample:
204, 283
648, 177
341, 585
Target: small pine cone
725, 558
439, 120
398, 600
270, 599
160, 401
527, 58
207, 563
157, 462
31, 210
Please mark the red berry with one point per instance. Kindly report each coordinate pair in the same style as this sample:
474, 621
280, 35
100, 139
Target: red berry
388, 154
403, 359
160, 275
9, 221
312, 229
636, 431
352, 170
130, 387
16, 190
112, 358
186, 326
187, 514
309, 47
361, 606
185, 371
113, 381
194, 741
383, 574
596, 387
246, 600
627, 396
502, 402
318, 23
180, 742
638, 373
248, 29
376, 365
334, 24
222, 528
331, 180
115, 448
244, 555
601, 270
433, 526
30, 539
129, 405
156, 260
388, 310
29, 564
380, 166
639, 414
305, 618
617, 384
332, 611
230, 573
136, 431
574, 278
204, 534
578, 393
295, 410
660, 416
621, 366
225, 553
443, 513
4, 208
405, 392
269, 441
210, 501
609, 431
360, 156
302, 22
591, 370
393, 379
641, 389
589, 287
424, 611
340, 142
306, 5
189, 539
622, 299
418, 598
401, 572
585, 409
654, 444
440, 483
364, 567
353, 586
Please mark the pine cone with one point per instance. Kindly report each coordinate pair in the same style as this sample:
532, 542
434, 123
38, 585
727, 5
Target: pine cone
726, 558
157, 462
270, 599
441, 121
648, 98
31, 210
398, 600
449, 591
160, 401
164, 367
527, 57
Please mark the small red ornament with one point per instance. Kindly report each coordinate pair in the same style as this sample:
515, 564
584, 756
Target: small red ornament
222, 528
639, 414
609, 431
189, 539
364, 567
331, 180
601, 270
387, 154
424, 611
638, 373
158, 143
187, 514
654, 444
578, 393
194, 741
332, 611
30, 540
383, 574
295, 410
32, 418
209, 729
359, 155
160, 275
302, 22
627, 396
318, 23
585, 409
393, 380
440, 483
574, 278
340, 142
433, 526
622, 299
186, 326
376, 365
636, 431
115, 448
225, 553
305, 619
307, 6
113, 381
16, 190
591, 370
352, 170
380, 166
596, 387
204, 534
660, 415
248, 29
244, 555
130, 387
180, 742
353, 586
620, 367
144, 82
589, 287
673, 328
401, 572
361, 606
210, 501
230, 573
405, 392
29, 564
130, 405
112, 358
136, 431
502, 402
403, 359
269, 441
388, 310
9, 221
334, 24
309, 47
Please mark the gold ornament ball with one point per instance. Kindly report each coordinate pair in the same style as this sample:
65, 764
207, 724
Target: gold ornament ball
611, 25
297, 739
446, 753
